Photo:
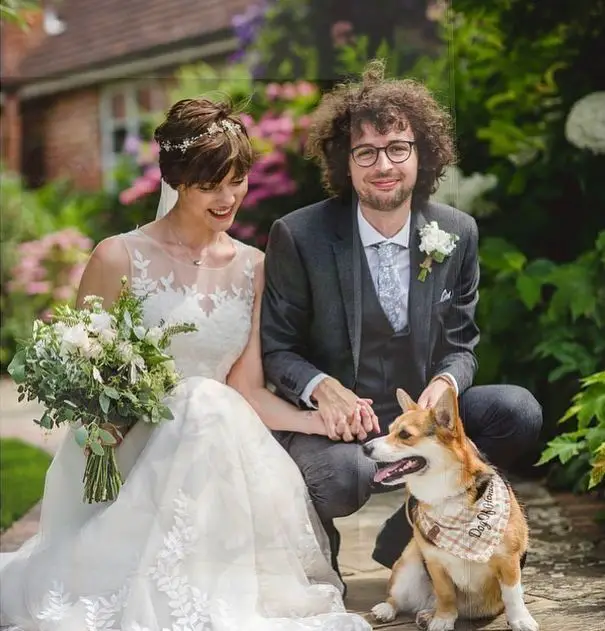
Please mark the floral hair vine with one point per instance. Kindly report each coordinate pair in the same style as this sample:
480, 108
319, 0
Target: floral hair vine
216, 128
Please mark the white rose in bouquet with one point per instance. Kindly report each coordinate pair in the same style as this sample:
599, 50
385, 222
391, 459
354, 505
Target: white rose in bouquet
100, 371
75, 340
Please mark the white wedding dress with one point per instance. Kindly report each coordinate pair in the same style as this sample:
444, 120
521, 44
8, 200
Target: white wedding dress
213, 529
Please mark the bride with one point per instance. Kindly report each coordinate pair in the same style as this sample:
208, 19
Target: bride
213, 529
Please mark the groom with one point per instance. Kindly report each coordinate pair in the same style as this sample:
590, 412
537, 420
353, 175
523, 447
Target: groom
345, 315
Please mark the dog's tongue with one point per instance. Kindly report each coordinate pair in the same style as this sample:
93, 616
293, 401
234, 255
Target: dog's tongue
381, 474
402, 465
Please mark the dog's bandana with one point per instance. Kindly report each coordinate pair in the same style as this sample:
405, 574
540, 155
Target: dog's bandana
473, 532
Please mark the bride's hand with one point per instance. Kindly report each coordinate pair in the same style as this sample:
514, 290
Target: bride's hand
317, 425
369, 420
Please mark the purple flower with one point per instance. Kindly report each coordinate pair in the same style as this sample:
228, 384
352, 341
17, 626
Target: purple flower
132, 145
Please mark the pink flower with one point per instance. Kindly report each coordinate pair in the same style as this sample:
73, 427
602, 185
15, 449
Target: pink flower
64, 293
304, 121
132, 144
277, 129
29, 263
252, 199
305, 88
29, 248
342, 33
66, 239
153, 174
289, 92
38, 287
148, 153
247, 120
128, 196
246, 232
273, 91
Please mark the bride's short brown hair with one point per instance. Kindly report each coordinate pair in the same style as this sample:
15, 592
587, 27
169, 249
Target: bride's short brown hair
383, 103
200, 142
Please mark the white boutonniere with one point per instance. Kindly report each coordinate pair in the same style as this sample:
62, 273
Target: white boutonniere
436, 244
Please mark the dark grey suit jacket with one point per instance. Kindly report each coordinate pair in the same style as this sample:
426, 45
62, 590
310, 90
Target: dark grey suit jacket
311, 309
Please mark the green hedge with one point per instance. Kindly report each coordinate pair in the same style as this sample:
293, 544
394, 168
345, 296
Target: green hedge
22, 473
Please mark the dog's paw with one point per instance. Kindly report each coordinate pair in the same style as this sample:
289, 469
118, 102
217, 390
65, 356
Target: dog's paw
427, 620
384, 612
526, 623
442, 624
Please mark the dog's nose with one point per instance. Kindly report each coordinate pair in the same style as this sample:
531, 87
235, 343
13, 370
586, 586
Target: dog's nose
368, 448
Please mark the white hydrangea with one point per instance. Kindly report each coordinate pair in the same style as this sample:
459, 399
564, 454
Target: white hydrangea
463, 192
585, 124
100, 322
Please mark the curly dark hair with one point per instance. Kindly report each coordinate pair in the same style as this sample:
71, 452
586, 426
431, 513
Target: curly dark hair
209, 158
383, 103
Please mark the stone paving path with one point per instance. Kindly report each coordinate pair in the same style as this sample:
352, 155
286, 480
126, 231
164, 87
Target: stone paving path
564, 577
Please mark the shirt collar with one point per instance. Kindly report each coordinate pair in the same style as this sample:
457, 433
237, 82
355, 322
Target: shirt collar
370, 236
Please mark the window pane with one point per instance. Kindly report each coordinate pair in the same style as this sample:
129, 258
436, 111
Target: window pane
118, 138
118, 106
145, 99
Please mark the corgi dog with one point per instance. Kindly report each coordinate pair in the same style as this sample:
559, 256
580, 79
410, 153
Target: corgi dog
470, 535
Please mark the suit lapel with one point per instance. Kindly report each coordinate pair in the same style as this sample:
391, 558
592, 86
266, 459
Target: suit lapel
347, 253
421, 295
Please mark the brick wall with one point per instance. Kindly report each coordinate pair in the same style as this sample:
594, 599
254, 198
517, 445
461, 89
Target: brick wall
16, 41
72, 143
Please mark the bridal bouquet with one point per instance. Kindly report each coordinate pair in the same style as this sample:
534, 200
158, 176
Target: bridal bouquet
101, 371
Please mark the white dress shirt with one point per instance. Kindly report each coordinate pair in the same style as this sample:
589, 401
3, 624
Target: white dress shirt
369, 238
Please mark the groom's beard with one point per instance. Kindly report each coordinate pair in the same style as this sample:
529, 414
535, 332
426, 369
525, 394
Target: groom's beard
387, 203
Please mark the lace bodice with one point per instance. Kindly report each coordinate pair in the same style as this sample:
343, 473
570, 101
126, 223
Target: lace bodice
218, 301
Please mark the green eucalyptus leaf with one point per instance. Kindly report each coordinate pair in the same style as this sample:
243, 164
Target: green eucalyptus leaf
81, 436
97, 448
104, 402
107, 437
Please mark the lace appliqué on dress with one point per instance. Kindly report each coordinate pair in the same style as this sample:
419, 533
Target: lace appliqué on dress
101, 612
218, 302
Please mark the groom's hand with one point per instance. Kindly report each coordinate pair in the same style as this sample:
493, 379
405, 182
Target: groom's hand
344, 413
432, 393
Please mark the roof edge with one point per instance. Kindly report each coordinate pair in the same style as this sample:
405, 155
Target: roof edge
124, 69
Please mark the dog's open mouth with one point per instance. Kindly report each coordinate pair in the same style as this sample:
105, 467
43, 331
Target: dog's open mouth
397, 470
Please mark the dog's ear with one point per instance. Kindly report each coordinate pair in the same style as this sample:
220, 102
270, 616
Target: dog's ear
405, 401
446, 410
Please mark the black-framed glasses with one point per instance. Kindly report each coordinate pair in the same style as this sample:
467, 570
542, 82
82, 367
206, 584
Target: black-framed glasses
396, 151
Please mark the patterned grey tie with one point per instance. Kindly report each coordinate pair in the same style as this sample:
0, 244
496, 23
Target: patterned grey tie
389, 289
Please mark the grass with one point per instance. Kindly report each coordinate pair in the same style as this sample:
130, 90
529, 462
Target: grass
22, 472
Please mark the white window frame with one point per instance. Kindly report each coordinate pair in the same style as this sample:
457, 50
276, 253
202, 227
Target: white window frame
131, 121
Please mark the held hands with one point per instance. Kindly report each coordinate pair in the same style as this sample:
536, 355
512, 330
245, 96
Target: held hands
344, 414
